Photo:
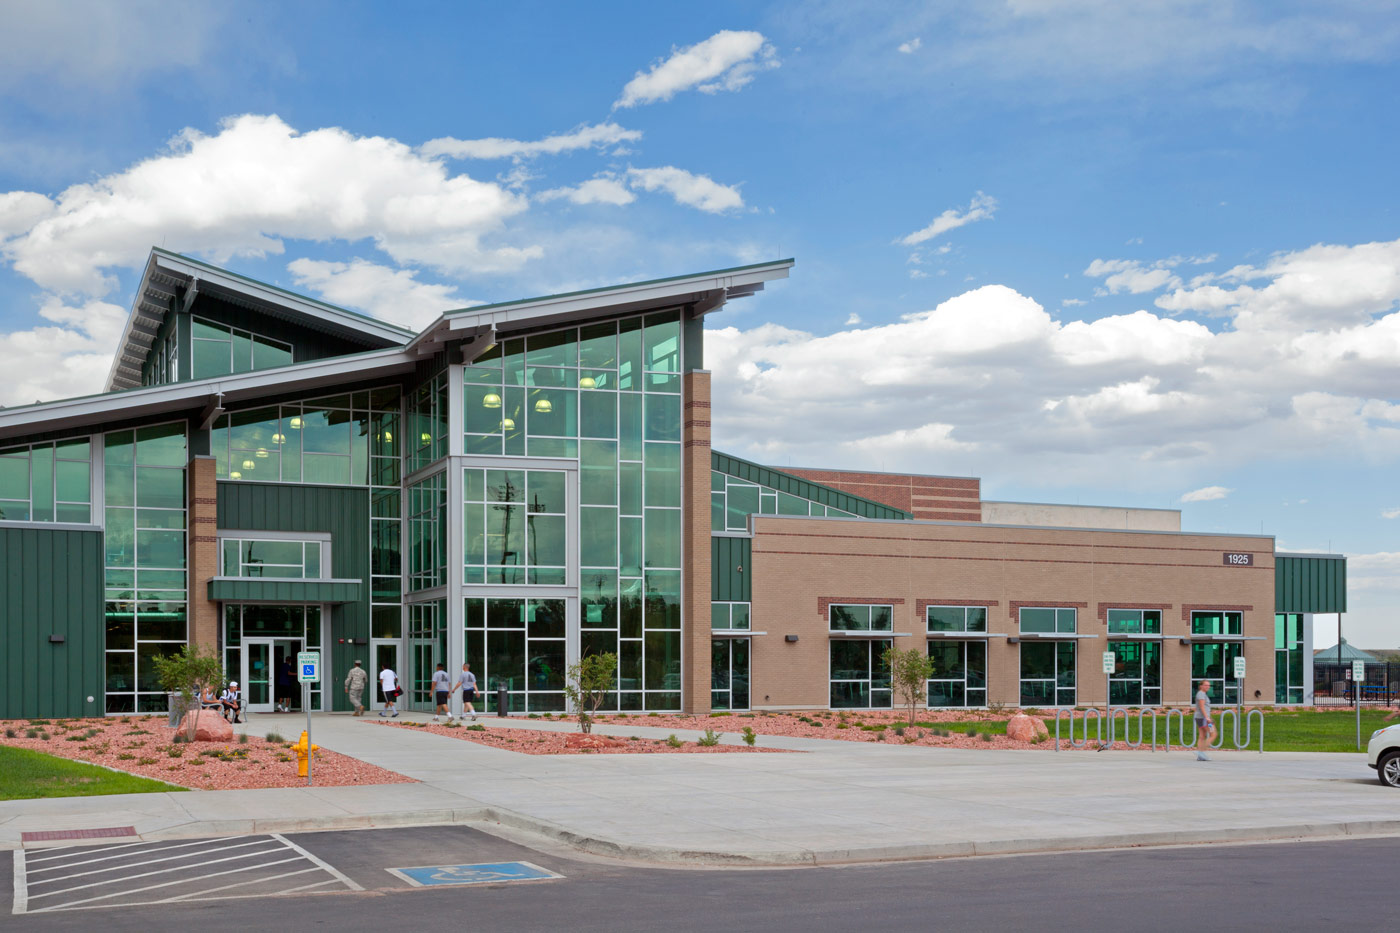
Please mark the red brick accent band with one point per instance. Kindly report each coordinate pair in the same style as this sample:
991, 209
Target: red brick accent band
1016, 605
697, 442
1187, 610
823, 602
693, 403
1104, 607
697, 424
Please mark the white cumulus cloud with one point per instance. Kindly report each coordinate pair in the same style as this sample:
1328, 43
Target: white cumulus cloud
1206, 494
982, 207
602, 189
912, 46
1390, 513
584, 137
726, 61
393, 295
698, 191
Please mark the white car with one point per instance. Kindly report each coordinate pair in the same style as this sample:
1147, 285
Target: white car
1383, 754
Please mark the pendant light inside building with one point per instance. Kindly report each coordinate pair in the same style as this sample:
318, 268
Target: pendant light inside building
544, 406
490, 400
279, 438
588, 382
508, 424
248, 464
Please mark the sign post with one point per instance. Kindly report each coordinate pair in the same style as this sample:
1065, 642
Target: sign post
1110, 661
308, 672
1239, 687
1358, 680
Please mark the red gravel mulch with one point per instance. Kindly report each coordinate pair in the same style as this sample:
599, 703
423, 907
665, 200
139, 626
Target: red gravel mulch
541, 742
143, 745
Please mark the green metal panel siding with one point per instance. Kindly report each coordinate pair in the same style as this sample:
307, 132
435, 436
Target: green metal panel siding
284, 591
52, 586
1310, 584
729, 583
805, 489
339, 510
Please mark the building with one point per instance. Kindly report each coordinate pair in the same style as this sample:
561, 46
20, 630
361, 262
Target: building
523, 483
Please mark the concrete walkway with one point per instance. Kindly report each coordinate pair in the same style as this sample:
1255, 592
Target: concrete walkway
834, 802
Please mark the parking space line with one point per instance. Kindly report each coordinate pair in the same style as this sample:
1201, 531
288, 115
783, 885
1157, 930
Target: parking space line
144, 874
334, 872
76, 905
236, 884
108, 858
21, 891
153, 861
62, 850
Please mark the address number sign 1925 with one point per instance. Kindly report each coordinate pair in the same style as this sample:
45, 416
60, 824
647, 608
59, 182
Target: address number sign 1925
1237, 559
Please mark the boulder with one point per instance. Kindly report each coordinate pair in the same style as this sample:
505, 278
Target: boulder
579, 740
1025, 728
209, 726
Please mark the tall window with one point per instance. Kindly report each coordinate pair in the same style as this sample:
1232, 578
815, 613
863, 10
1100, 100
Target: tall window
1137, 674
860, 679
729, 673
515, 528
519, 643
959, 676
1215, 661
1047, 673
48, 482
1288, 657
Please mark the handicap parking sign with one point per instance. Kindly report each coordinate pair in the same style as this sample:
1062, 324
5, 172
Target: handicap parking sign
308, 666
483, 873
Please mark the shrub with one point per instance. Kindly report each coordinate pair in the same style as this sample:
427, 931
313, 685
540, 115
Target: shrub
899, 731
717, 715
709, 739
909, 674
674, 742
842, 725
475, 727
532, 716
188, 670
750, 737
243, 739
986, 737
126, 756
10, 733
179, 738
75, 738
145, 761
44, 736
274, 738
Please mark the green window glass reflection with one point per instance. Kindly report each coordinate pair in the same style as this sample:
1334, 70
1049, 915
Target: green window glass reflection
663, 342
663, 537
663, 474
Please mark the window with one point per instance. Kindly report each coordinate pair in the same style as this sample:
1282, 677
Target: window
218, 350
515, 528
49, 482
729, 673
287, 559
959, 676
518, 643
427, 532
846, 618
1047, 673
1215, 662
1288, 657
1042, 621
957, 618
1134, 622
733, 500
860, 679
729, 616
1137, 673
1217, 623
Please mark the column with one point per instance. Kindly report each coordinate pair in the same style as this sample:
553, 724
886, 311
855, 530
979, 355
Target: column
695, 521
203, 543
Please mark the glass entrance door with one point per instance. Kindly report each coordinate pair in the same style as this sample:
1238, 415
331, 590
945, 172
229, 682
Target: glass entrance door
384, 652
258, 674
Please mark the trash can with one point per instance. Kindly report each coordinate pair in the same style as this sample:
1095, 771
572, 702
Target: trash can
177, 707
502, 699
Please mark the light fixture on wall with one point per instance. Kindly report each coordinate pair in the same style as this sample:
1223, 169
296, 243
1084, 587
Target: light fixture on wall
490, 400
544, 406
508, 424
279, 438
588, 382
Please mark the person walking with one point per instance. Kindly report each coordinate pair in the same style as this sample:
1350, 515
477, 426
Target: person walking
355, 683
441, 691
468, 684
1205, 727
389, 687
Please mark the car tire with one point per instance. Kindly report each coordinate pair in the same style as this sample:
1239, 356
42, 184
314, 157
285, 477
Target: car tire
1388, 769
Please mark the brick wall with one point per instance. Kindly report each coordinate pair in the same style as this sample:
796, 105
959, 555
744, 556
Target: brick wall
933, 498
203, 551
800, 565
695, 502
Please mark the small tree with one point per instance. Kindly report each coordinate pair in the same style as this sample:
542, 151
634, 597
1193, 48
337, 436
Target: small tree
185, 673
909, 673
587, 684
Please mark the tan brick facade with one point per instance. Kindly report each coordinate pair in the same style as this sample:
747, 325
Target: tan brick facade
203, 550
801, 565
929, 498
695, 581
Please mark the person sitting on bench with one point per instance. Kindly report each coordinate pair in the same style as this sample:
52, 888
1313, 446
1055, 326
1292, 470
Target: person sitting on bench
204, 696
232, 701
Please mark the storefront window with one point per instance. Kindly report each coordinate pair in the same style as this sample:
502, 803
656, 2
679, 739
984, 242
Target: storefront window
959, 676
48, 482
860, 679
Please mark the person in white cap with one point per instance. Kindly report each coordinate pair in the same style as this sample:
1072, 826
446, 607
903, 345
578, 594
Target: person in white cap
232, 701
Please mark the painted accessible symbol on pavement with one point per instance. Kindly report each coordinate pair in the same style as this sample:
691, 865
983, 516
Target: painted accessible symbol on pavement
484, 873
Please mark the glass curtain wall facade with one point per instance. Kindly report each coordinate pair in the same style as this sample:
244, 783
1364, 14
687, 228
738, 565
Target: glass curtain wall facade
1288, 657
145, 609
607, 394
48, 482
276, 633
219, 350
733, 500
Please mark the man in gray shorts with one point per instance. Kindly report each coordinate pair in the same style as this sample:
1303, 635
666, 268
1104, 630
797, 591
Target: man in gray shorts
1205, 728
468, 684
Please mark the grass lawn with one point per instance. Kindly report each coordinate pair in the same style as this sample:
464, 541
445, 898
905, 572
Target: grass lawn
25, 774
1284, 730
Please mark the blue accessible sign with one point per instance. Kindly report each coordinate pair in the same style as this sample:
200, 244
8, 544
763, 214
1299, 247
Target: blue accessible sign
484, 873
309, 666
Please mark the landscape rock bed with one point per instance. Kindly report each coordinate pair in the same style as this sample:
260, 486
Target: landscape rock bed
542, 742
145, 746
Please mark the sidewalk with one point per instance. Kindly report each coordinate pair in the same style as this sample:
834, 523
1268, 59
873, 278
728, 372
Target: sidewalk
835, 802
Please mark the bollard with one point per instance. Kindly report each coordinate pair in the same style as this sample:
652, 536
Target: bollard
502, 699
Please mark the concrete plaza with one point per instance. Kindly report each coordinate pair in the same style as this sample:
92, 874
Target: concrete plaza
833, 802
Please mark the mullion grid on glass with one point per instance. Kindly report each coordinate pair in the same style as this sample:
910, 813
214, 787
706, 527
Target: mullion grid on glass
538, 396
1215, 661
733, 500
362, 426
962, 683
44, 479
245, 564
144, 543
1136, 680
252, 339
856, 676
427, 529
1288, 658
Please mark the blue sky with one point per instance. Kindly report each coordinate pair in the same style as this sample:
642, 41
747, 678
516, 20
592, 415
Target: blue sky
1141, 254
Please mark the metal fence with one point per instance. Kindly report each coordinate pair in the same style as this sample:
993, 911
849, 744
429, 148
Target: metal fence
1332, 685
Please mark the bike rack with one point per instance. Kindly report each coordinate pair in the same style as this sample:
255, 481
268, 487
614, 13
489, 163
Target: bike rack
1182, 718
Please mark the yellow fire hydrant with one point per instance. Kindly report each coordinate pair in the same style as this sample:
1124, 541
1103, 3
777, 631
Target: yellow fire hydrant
303, 750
